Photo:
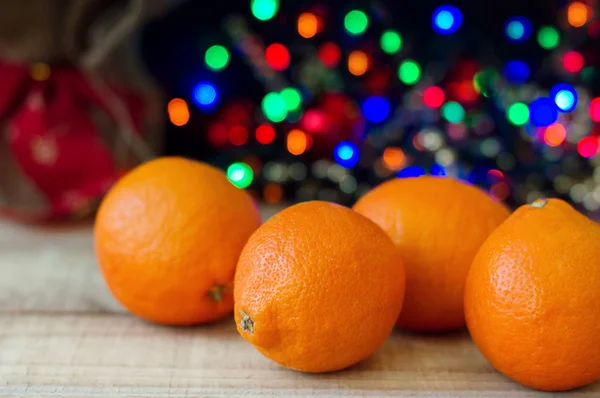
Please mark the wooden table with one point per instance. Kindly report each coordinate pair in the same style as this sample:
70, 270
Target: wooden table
62, 334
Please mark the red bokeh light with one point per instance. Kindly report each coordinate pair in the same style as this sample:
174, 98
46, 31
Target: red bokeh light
466, 91
495, 176
330, 54
278, 57
314, 121
238, 135
434, 97
217, 134
595, 109
588, 147
265, 134
594, 30
572, 61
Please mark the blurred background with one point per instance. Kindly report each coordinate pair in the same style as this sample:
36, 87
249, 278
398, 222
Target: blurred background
299, 100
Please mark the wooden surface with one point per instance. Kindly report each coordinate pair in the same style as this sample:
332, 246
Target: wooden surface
62, 334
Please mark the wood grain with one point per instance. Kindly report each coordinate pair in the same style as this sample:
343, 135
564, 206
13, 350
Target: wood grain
62, 334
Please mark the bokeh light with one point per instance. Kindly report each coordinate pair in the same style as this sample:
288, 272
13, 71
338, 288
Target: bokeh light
264, 10
572, 61
434, 97
411, 171
346, 154
292, 98
564, 96
358, 62
205, 95
518, 113
330, 54
265, 134
376, 109
297, 142
274, 107
446, 20
548, 37
216, 58
240, 175
309, 25
595, 109
453, 112
390, 42
278, 57
394, 158
179, 113
356, 22
218, 134
543, 112
273, 193
555, 134
409, 72
588, 147
238, 135
577, 14
516, 72
517, 29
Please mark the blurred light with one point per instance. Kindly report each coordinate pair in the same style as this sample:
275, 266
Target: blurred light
595, 109
390, 42
409, 72
216, 57
264, 10
179, 113
572, 61
564, 96
348, 184
394, 158
265, 134
376, 109
437, 170
356, 22
205, 95
543, 112
330, 54
588, 73
40, 71
466, 91
518, 113
411, 171
484, 81
297, 142
500, 190
314, 121
218, 134
298, 171
272, 193
274, 108
594, 30
446, 20
434, 97
490, 147
548, 37
309, 25
555, 134
588, 147
346, 154
278, 57
238, 135
516, 72
453, 112
358, 63
240, 174
577, 14
495, 176
517, 29
292, 98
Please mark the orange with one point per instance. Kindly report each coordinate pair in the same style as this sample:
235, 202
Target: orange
438, 223
532, 298
168, 236
318, 287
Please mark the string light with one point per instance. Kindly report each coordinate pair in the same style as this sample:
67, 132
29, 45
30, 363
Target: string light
577, 14
240, 175
309, 25
356, 22
595, 109
376, 109
516, 72
265, 134
358, 62
330, 54
588, 147
453, 112
390, 42
346, 154
543, 112
572, 61
555, 134
297, 142
205, 95
517, 29
274, 108
433, 97
216, 58
518, 113
179, 113
263, 10
409, 72
278, 57
446, 20
548, 37
564, 96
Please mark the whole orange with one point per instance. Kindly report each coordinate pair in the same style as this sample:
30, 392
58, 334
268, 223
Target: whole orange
438, 223
532, 298
318, 287
168, 236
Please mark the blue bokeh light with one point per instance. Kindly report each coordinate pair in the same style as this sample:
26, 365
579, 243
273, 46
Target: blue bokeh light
437, 170
205, 95
446, 20
346, 154
411, 171
517, 29
564, 96
376, 109
516, 72
543, 112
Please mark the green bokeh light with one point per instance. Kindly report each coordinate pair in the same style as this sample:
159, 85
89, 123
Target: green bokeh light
588, 74
390, 42
409, 72
548, 37
264, 10
356, 22
216, 57
240, 175
484, 81
292, 98
518, 113
453, 112
274, 107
